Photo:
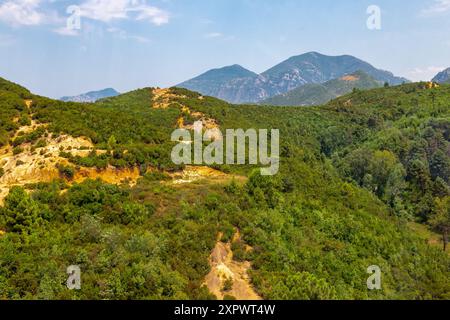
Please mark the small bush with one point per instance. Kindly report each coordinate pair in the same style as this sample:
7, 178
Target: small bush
66, 171
17, 150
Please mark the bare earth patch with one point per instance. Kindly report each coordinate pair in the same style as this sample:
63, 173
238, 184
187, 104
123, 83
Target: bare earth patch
110, 175
350, 78
38, 165
193, 174
224, 268
34, 165
162, 98
28, 103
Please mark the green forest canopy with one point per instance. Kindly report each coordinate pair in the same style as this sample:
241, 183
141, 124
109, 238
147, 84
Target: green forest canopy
354, 174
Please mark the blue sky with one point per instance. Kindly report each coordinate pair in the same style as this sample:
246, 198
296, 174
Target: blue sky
127, 44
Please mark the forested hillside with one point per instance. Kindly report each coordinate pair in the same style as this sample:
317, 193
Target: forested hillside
357, 176
317, 94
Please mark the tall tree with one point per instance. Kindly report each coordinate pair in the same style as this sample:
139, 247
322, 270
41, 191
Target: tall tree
441, 219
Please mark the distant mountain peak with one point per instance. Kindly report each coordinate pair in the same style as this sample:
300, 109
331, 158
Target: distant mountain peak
238, 85
236, 66
234, 70
92, 96
217, 82
442, 77
310, 53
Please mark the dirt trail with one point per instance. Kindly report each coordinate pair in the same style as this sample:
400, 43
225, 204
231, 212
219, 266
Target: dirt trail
224, 268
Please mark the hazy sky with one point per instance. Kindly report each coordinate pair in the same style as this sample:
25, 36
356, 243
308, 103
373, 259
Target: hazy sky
127, 44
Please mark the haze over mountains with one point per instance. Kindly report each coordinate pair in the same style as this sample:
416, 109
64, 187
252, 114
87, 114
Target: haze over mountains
92, 96
317, 94
236, 84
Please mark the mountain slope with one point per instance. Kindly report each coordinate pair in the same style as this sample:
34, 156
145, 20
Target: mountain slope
353, 173
442, 77
92, 96
316, 94
13, 109
314, 67
223, 83
304, 69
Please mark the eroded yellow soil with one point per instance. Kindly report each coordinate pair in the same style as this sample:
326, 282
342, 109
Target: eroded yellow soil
163, 98
224, 268
350, 78
110, 175
34, 165
193, 174
38, 165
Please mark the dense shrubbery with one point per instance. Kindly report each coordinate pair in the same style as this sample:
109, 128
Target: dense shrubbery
134, 132
123, 250
28, 137
394, 142
314, 242
353, 174
12, 106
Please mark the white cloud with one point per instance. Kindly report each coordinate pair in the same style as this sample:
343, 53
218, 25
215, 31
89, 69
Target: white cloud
219, 36
152, 14
104, 10
34, 12
108, 10
21, 12
438, 7
424, 74
213, 35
